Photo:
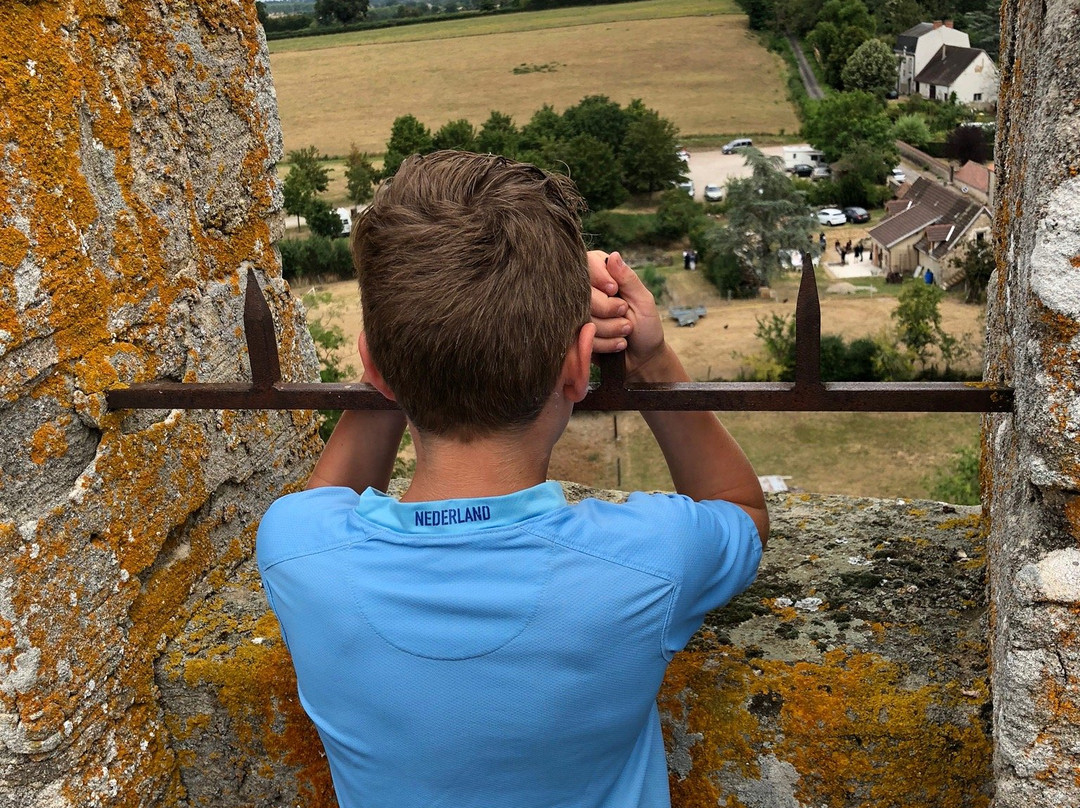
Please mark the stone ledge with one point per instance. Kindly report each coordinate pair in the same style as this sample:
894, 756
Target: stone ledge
853, 672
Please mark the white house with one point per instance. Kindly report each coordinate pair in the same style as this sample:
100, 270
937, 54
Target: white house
966, 72
918, 45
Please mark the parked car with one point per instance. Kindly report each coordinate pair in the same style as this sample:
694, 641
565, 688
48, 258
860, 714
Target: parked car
821, 173
682, 154
687, 186
713, 193
831, 216
802, 170
856, 215
898, 175
736, 144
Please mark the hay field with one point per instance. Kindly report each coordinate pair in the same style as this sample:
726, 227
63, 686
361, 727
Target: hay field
706, 73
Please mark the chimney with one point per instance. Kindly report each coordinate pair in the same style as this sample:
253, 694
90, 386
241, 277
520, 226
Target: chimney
937, 24
948, 23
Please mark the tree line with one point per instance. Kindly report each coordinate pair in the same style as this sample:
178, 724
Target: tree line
334, 16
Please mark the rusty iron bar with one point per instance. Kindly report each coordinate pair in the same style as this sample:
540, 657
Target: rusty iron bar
806, 394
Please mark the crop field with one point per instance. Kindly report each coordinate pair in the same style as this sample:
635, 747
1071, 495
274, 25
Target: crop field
694, 61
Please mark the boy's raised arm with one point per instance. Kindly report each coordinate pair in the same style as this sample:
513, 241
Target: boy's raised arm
361, 451
704, 460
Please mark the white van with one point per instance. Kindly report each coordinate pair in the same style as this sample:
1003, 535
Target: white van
736, 144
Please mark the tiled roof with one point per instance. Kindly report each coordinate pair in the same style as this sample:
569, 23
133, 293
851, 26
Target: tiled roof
939, 232
910, 38
943, 213
903, 225
894, 206
947, 65
973, 175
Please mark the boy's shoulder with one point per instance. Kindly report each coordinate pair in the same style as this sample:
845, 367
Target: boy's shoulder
661, 532
305, 522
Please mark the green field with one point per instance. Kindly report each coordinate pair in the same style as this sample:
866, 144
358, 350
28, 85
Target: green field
694, 61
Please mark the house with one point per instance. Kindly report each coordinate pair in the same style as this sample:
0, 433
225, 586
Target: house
975, 179
924, 227
918, 45
967, 73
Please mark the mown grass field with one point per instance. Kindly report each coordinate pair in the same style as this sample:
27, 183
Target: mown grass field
692, 60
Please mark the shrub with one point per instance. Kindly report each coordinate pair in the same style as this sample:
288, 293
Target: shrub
315, 257
958, 482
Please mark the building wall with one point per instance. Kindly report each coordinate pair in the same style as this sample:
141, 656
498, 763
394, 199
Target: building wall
979, 79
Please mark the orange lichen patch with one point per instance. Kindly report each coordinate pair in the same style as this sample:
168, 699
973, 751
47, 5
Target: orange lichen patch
48, 441
256, 686
846, 724
1075, 260
1072, 516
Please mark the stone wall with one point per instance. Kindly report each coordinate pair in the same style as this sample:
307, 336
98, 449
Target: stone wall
852, 673
1033, 469
137, 147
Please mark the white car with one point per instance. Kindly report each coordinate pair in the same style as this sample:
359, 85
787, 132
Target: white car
898, 175
831, 216
713, 193
687, 186
683, 155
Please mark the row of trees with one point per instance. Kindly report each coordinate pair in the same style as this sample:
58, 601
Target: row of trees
610, 151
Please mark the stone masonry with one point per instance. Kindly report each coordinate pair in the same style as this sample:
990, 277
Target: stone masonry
137, 147
1033, 455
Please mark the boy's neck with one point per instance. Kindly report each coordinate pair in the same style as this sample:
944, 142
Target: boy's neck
491, 466
480, 468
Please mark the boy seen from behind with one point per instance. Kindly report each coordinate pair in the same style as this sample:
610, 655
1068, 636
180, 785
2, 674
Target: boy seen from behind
481, 643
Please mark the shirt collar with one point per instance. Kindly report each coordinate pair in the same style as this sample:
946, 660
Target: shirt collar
460, 515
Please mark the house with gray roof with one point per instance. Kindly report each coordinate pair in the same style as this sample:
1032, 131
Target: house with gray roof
967, 73
918, 45
923, 230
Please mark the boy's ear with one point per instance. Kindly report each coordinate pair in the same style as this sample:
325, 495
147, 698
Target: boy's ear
372, 375
577, 364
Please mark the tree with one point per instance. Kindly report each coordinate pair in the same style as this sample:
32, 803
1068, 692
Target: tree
459, 134
407, 136
360, 176
649, 161
896, 16
766, 213
869, 163
871, 67
599, 117
677, 214
918, 323
968, 143
593, 167
307, 177
546, 126
330, 12
977, 262
838, 121
309, 164
498, 135
322, 219
912, 129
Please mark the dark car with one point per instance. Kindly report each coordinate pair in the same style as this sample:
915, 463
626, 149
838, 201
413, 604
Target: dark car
802, 170
857, 215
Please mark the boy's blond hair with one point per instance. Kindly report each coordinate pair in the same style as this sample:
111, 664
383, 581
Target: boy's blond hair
474, 283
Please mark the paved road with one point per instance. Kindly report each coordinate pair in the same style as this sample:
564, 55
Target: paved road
715, 167
813, 89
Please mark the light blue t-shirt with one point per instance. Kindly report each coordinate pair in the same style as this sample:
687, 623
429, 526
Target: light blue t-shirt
495, 653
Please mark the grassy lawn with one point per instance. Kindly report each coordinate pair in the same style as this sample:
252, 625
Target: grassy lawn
859, 454
692, 60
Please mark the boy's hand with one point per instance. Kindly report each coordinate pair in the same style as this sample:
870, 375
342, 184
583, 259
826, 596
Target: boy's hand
624, 312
